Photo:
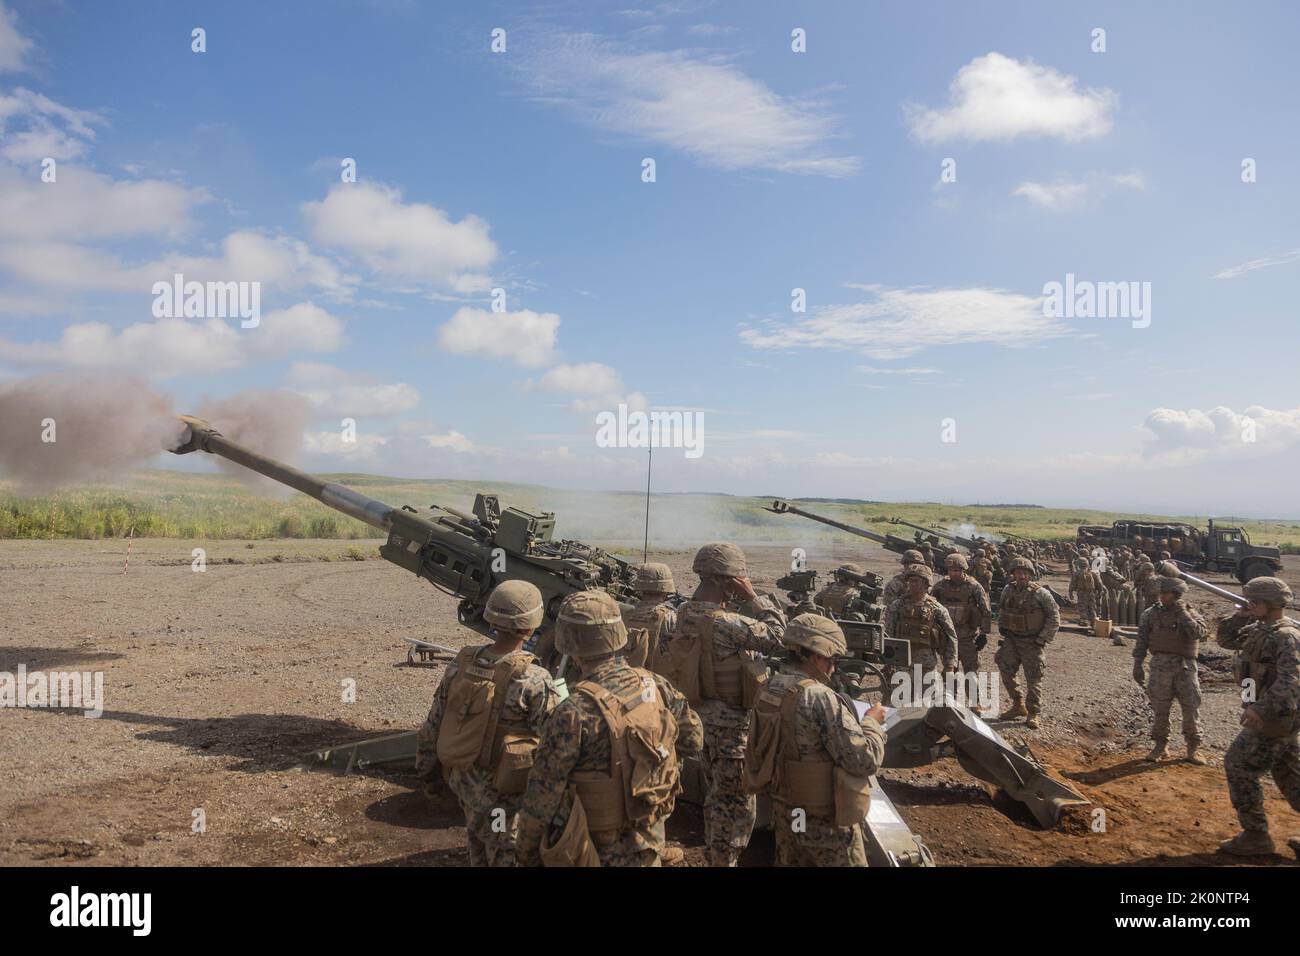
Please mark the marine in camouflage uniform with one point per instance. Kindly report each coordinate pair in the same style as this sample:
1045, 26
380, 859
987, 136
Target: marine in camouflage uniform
925, 624
577, 740
981, 569
752, 629
897, 585
652, 620
1146, 583
1171, 631
843, 593
821, 732
1028, 620
1086, 583
1268, 665
968, 606
491, 821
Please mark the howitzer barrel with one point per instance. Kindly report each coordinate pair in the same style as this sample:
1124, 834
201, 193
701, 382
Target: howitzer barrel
946, 535
784, 507
201, 436
1237, 599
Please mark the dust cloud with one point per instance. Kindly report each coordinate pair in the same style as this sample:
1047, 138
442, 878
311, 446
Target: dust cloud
268, 422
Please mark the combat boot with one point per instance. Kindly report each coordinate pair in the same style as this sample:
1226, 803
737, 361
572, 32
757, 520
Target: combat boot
1032, 723
1017, 709
1158, 751
1194, 755
1248, 843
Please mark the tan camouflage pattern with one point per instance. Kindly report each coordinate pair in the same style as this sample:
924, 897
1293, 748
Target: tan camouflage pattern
979, 615
729, 812
1253, 754
897, 586
1086, 587
530, 699
1029, 653
943, 639
1172, 677
825, 727
576, 738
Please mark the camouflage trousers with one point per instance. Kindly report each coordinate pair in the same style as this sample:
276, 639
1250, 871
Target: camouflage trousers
635, 846
1173, 677
729, 812
967, 656
1247, 759
1088, 606
1026, 652
491, 819
821, 842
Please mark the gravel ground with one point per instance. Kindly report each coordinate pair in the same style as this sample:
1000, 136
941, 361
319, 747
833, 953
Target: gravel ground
216, 683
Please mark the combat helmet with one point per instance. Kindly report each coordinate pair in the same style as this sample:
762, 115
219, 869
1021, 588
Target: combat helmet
919, 572
816, 633
1272, 591
1177, 585
653, 577
912, 556
516, 605
844, 570
956, 561
1018, 563
590, 623
720, 559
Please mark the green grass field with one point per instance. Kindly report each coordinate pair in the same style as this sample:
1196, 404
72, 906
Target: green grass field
181, 505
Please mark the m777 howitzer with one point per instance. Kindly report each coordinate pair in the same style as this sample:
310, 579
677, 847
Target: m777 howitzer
466, 555
890, 542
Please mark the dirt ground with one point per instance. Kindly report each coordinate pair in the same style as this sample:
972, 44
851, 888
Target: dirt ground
215, 683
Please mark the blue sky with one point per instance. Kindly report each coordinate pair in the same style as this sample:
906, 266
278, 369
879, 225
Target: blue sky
818, 170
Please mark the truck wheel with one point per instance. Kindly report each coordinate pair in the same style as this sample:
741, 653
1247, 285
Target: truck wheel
1253, 569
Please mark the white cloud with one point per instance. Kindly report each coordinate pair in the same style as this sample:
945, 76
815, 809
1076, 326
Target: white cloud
1221, 428
279, 262
994, 97
525, 337
85, 205
1063, 194
873, 370
402, 241
13, 45
1236, 272
169, 347
902, 322
593, 386
333, 391
33, 126
1057, 196
706, 108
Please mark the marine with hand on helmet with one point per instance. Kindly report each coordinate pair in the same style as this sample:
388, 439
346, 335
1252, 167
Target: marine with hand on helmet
1267, 665
608, 768
487, 715
1172, 632
1028, 619
652, 620
924, 623
714, 658
807, 748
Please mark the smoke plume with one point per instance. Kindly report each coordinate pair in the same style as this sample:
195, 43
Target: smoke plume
268, 422
60, 428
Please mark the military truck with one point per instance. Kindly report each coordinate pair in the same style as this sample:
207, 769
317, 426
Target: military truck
1222, 548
